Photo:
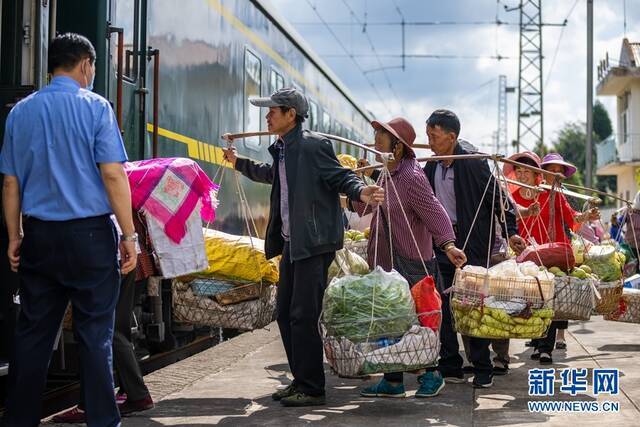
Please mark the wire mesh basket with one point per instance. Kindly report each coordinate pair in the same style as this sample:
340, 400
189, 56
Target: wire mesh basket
415, 349
610, 293
628, 308
223, 303
485, 306
573, 299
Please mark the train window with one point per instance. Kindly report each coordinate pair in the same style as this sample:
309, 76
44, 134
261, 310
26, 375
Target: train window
313, 116
326, 122
276, 81
126, 19
252, 88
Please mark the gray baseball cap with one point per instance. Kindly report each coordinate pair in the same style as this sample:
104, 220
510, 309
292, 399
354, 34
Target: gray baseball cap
285, 97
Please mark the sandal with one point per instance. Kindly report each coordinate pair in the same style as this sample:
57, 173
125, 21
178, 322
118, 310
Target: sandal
561, 345
545, 359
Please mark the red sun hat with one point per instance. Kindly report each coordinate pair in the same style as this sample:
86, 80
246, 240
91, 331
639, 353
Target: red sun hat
400, 128
509, 169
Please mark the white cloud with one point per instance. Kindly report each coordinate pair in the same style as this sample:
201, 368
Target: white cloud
419, 87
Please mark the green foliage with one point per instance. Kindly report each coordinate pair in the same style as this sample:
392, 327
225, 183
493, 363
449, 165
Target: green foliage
601, 122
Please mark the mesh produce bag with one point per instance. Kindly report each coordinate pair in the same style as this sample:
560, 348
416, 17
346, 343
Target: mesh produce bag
369, 325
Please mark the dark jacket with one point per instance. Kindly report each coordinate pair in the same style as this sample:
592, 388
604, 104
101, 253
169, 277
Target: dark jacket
470, 181
315, 179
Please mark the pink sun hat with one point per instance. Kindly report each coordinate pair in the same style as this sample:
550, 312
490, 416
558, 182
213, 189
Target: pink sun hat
557, 159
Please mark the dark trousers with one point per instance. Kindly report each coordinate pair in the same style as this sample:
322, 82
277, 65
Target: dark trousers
413, 274
499, 346
62, 261
124, 357
8, 310
450, 359
298, 307
546, 344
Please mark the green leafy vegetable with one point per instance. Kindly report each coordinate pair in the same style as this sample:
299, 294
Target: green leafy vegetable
361, 308
604, 262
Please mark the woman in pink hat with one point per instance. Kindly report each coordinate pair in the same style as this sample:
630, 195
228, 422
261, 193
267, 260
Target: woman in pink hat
427, 222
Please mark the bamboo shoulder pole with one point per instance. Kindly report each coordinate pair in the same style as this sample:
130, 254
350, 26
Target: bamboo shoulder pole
602, 193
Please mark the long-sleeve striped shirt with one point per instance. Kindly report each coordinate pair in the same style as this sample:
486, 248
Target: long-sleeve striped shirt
428, 220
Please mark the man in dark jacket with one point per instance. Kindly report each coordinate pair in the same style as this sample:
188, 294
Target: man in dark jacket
305, 226
460, 186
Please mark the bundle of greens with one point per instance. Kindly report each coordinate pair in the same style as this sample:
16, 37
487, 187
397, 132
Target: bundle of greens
605, 262
347, 263
364, 308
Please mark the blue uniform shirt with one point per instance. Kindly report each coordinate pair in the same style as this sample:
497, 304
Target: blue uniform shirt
53, 143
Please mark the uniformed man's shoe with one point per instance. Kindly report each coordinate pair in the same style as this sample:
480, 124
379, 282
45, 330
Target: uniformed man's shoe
383, 389
131, 406
74, 415
285, 392
302, 399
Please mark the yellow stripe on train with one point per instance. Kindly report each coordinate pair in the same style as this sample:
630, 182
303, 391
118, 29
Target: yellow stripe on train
197, 150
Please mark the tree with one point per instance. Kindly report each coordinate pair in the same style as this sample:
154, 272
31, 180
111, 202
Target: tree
541, 149
601, 122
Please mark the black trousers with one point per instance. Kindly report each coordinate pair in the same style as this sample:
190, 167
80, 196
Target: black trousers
414, 277
450, 359
8, 310
546, 344
298, 307
62, 261
127, 368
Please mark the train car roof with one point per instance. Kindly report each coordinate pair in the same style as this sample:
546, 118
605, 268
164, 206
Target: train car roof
298, 40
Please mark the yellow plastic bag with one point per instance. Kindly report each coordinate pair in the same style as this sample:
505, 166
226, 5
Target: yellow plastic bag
347, 161
233, 257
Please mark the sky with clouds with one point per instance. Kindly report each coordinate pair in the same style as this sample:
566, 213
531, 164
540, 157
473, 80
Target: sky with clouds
467, 86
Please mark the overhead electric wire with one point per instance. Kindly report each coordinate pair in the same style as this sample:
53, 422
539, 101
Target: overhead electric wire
417, 56
555, 54
373, 86
373, 49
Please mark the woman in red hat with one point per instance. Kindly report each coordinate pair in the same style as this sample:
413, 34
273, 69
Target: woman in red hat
426, 221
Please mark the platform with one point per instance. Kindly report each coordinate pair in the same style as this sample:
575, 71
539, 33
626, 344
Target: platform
230, 385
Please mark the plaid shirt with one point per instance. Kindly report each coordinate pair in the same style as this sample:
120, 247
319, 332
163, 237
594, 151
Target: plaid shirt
427, 218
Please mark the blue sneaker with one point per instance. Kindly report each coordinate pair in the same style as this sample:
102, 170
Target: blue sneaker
383, 389
431, 383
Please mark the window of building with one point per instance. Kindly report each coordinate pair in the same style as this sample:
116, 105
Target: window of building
252, 88
326, 122
624, 117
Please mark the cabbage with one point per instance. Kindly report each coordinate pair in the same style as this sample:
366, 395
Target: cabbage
347, 263
378, 304
604, 263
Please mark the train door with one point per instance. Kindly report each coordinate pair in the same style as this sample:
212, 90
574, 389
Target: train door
23, 51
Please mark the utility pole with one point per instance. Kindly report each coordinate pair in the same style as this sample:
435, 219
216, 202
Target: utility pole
589, 143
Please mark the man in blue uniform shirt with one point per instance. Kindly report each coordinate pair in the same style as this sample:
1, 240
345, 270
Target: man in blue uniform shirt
62, 160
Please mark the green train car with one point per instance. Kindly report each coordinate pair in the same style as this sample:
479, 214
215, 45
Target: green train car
178, 73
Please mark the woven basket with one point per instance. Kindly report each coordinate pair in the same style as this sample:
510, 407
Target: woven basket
573, 299
610, 293
628, 309
501, 307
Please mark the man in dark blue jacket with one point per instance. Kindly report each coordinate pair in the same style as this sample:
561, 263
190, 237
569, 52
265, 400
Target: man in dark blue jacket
306, 227
460, 185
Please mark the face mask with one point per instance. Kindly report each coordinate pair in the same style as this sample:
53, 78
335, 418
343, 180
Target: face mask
89, 85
